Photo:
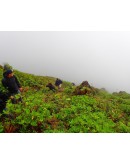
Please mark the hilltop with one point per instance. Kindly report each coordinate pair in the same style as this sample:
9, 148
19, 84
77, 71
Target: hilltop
73, 109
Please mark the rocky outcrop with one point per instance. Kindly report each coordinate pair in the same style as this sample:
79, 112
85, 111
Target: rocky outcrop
85, 84
83, 89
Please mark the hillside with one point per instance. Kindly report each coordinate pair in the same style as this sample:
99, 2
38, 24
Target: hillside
72, 110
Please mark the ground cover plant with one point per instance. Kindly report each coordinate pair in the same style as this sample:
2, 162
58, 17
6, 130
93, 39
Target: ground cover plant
64, 111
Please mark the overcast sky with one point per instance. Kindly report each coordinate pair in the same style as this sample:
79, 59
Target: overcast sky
101, 58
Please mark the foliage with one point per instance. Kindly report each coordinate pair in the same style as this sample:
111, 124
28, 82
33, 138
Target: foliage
45, 111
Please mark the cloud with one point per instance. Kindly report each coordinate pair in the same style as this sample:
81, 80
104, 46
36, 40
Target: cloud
102, 58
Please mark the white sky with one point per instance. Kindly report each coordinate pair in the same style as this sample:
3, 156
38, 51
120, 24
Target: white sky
101, 58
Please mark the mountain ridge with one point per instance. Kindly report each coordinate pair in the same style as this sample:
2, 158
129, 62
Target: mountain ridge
74, 109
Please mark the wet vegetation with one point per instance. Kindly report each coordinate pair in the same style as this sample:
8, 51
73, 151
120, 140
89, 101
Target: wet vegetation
72, 109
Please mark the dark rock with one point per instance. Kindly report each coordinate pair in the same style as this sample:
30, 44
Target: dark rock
83, 89
85, 84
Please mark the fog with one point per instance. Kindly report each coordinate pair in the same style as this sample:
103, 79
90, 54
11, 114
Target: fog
101, 58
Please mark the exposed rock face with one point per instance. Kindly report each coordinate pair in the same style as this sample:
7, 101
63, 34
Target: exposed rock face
85, 84
83, 89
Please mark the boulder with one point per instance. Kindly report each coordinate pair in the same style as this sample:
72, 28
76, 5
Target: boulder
85, 84
83, 89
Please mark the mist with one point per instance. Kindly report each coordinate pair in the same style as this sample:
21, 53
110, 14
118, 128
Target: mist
101, 58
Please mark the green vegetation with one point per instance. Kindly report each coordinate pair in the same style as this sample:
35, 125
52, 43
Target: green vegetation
64, 111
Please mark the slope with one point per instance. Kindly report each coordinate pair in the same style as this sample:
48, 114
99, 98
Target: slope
65, 111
